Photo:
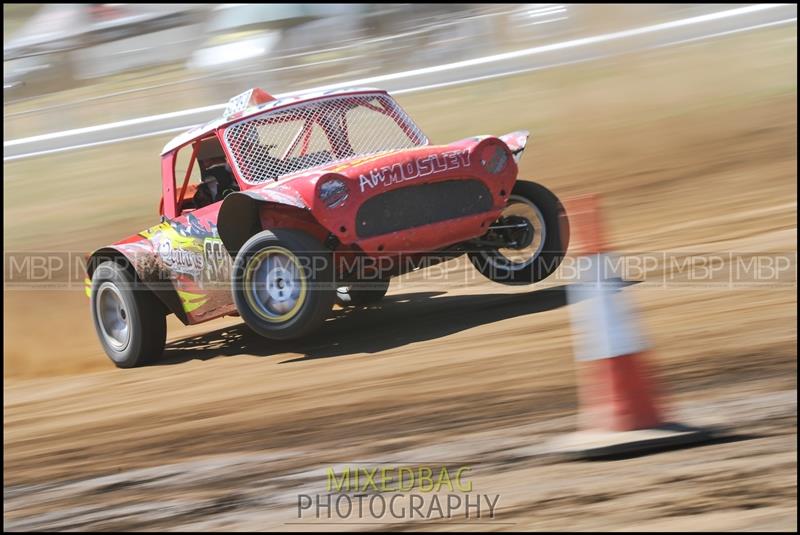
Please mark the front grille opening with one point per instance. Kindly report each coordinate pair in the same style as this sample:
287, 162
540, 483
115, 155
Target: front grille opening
415, 206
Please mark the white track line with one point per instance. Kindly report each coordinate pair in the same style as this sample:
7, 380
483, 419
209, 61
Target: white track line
485, 77
417, 72
98, 143
110, 126
728, 32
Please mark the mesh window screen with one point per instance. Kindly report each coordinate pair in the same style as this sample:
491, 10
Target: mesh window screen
308, 134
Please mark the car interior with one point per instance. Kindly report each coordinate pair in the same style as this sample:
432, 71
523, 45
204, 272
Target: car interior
215, 179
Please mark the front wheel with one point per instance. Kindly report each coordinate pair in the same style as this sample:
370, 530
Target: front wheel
528, 241
283, 283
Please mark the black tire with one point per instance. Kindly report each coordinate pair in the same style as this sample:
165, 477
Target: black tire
494, 266
362, 293
313, 271
145, 317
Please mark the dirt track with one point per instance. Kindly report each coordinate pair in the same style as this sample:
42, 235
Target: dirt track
229, 429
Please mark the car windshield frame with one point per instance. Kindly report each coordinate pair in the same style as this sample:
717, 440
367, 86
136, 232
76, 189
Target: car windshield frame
266, 146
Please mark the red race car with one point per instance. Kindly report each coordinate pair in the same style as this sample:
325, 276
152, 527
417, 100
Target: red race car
283, 205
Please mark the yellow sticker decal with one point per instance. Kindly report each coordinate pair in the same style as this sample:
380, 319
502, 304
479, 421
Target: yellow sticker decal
192, 301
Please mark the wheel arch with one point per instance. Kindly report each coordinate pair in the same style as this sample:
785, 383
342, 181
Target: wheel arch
165, 293
244, 214
113, 254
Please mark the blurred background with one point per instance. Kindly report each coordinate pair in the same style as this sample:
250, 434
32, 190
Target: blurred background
73, 65
682, 116
122, 60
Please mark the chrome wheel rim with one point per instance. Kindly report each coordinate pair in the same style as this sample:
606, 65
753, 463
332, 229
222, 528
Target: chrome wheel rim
516, 259
113, 316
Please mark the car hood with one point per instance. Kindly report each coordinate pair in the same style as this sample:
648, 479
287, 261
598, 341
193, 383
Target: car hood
368, 174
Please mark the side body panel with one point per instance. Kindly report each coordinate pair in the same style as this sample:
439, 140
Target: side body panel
189, 253
184, 262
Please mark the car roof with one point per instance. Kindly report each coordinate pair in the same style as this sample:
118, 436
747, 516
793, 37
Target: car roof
284, 100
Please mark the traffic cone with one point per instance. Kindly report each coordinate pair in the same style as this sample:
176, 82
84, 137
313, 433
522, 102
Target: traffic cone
621, 411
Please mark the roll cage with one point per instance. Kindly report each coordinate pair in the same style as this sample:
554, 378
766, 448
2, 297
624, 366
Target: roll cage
325, 129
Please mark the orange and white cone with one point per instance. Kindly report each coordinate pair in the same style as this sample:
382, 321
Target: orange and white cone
620, 409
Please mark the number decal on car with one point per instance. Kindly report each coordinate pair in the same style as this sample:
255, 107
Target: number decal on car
218, 263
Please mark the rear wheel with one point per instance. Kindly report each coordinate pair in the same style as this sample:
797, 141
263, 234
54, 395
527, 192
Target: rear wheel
283, 283
528, 241
129, 319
